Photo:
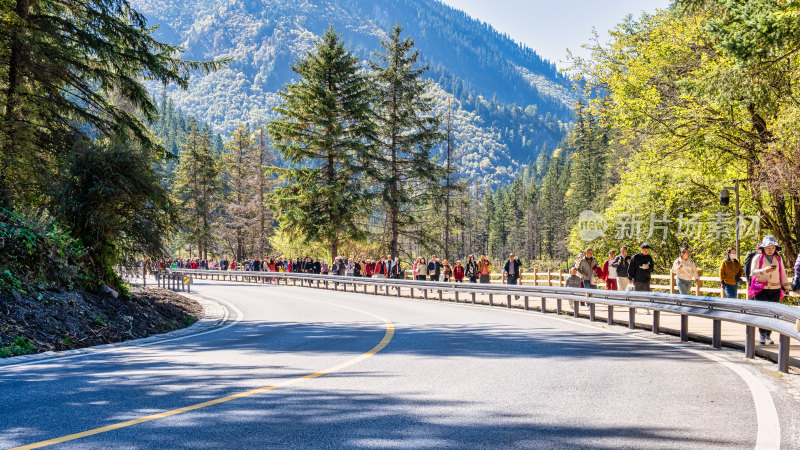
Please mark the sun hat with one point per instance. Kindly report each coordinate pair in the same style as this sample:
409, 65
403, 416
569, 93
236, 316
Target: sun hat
770, 240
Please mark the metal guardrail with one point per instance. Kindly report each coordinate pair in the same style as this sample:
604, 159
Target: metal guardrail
783, 319
176, 281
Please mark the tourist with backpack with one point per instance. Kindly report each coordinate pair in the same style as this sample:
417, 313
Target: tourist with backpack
769, 282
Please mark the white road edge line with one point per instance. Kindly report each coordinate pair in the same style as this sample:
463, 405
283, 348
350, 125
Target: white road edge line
134, 345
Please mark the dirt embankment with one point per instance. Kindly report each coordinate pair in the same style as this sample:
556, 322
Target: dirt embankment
76, 319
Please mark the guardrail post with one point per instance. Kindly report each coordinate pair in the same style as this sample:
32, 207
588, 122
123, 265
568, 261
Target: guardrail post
456, 296
632, 318
610, 315
526, 303
684, 328
716, 334
576, 309
491, 299
508, 301
558, 306
657, 322
440, 294
544, 305
472, 294
750, 342
783, 354
591, 312
412, 292
189, 286
671, 282
698, 288
425, 293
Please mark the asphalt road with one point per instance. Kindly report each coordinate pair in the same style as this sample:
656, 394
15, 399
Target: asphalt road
353, 370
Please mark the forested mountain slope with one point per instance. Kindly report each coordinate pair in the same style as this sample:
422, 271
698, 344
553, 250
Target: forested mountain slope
508, 102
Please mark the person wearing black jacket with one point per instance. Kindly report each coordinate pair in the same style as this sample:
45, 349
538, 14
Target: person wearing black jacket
471, 270
434, 268
640, 268
316, 267
621, 264
512, 269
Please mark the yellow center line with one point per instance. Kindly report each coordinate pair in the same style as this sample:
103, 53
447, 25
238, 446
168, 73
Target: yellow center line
380, 346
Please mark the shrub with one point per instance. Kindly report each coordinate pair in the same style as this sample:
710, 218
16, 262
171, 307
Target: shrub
37, 254
20, 346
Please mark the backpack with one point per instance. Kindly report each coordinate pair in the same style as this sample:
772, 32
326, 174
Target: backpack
748, 262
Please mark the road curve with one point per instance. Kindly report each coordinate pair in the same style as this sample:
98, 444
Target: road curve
306, 368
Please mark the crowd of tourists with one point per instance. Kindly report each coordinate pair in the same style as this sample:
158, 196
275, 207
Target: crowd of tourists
763, 272
435, 269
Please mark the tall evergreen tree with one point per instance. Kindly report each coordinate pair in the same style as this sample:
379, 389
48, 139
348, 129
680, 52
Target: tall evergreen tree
326, 125
262, 157
588, 167
196, 187
407, 132
73, 70
239, 215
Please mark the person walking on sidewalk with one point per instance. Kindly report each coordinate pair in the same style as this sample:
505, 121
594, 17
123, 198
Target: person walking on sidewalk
484, 269
471, 271
587, 265
640, 268
621, 264
685, 270
434, 268
458, 272
730, 273
573, 280
512, 269
770, 282
610, 272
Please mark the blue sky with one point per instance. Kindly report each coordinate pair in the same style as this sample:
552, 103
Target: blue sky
550, 27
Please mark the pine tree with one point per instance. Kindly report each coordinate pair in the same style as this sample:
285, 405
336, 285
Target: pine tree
196, 186
551, 207
239, 214
73, 71
326, 126
588, 163
407, 132
262, 157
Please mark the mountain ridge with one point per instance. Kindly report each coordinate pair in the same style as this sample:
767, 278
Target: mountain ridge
514, 101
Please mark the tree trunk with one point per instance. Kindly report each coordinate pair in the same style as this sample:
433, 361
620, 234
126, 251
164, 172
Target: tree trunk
394, 210
14, 80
